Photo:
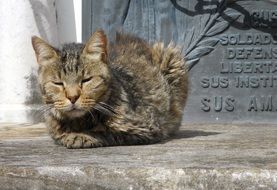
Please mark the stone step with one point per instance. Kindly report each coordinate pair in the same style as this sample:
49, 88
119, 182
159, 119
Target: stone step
199, 157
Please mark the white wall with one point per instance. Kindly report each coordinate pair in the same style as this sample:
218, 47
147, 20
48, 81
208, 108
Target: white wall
56, 21
66, 21
78, 19
19, 20
69, 19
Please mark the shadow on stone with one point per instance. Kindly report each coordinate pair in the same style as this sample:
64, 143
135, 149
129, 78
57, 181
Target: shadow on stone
192, 133
188, 134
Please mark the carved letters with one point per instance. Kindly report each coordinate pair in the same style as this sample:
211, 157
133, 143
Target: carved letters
249, 62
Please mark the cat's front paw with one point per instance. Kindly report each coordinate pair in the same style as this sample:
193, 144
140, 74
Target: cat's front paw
77, 140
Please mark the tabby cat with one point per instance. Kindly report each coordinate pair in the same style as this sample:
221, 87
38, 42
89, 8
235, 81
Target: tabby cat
124, 93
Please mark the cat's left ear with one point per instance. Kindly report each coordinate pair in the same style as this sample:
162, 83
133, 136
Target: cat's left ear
45, 53
96, 46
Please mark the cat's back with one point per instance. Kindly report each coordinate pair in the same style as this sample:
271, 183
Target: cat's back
154, 76
131, 58
130, 52
132, 64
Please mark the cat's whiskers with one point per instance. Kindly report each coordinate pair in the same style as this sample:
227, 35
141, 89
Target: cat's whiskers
92, 116
61, 106
106, 106
46, 106
104, 109
84, 103
59, 103
44, 109
88, 101
95, 108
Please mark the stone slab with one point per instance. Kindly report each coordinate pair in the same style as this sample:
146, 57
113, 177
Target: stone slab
229, 84
198, 157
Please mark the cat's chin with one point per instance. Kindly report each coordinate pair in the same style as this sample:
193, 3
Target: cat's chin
68, 114
75, 113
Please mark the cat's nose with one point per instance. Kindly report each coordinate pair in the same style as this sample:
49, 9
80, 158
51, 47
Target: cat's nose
73, 99
72, 92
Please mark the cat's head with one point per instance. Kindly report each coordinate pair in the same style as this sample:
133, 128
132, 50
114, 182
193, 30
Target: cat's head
75, 78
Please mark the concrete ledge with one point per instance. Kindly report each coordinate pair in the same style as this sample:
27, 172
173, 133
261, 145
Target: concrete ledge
199, 157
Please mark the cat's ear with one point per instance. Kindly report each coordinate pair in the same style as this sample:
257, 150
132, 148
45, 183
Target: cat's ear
96, 46
44, 51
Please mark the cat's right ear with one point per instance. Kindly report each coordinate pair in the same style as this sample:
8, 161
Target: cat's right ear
44, 52
96, 47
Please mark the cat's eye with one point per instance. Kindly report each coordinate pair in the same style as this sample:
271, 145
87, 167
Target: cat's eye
86, 80
58, 83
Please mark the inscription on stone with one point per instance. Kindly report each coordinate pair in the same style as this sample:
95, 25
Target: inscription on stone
238, 80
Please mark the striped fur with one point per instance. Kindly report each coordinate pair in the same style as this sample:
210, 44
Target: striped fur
125, 93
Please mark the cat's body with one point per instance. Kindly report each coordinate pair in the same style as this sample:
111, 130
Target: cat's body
127, 93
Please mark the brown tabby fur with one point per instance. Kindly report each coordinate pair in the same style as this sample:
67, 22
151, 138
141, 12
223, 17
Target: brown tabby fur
97, 95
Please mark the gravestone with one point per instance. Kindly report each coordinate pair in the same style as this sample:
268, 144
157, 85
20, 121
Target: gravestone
230, 48
237, 81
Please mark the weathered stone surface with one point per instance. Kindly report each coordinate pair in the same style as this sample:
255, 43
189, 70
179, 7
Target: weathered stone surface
228, 86
199, 157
